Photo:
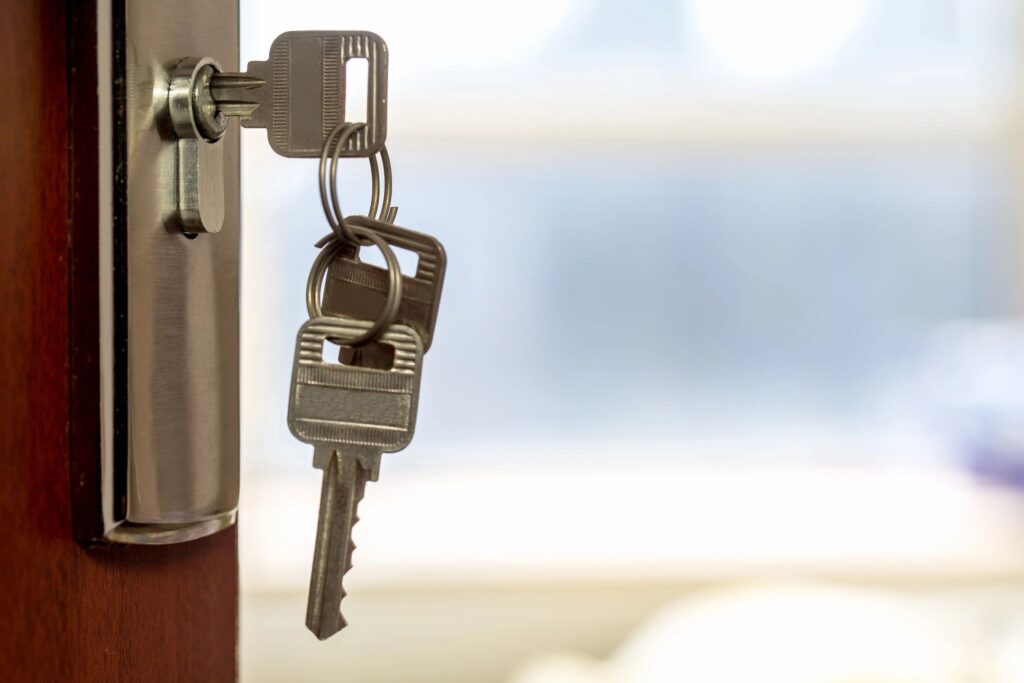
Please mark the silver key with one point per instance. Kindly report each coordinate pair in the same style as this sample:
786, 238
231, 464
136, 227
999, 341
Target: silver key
298, 94
355, 289
351, 415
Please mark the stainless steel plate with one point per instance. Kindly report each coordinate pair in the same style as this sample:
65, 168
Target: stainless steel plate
170, 302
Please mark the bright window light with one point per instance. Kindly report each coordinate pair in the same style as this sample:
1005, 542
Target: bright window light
444, 34
770, 41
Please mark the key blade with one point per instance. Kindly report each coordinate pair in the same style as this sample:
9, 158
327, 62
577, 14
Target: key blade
222, 83
236, 94
344, 482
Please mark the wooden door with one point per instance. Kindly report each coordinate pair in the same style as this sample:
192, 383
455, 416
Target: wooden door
110, 613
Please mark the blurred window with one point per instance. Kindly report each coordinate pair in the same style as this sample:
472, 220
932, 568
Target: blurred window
669, 220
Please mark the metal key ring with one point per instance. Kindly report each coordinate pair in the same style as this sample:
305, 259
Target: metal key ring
387, 212
386, 209
334, 142
333, 145
319, 271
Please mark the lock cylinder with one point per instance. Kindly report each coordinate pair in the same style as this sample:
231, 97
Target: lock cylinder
198, 126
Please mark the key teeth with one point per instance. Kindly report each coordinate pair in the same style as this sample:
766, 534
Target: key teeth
325, 631
344, 593
322, 625
348, 566
351, 549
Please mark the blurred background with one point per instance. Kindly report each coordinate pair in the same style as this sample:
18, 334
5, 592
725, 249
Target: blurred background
728, 380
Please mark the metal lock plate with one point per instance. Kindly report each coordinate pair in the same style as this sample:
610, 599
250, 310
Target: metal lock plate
168, 303
199, 167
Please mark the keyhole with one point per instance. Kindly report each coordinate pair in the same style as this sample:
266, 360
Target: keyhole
357, 89
375, 355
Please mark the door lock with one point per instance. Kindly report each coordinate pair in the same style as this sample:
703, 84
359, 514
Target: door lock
199, 162
165, 465
298, 95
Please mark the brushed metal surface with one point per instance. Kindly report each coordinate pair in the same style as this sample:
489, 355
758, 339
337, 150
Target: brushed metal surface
200, 166
181, 357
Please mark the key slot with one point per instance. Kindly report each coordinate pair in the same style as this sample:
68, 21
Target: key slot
408, 260
375, 355
357, 89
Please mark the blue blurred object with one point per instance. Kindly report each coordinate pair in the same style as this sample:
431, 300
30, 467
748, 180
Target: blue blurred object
975, 387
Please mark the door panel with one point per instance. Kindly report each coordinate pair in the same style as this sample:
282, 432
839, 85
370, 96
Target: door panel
70, 612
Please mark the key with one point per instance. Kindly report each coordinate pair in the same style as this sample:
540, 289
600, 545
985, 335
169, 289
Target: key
298, 94
351, 415
355, 289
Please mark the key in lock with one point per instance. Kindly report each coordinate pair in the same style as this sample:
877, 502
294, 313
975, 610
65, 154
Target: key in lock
298, 95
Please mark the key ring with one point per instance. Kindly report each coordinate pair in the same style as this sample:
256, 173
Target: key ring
344, 234
319, 271
333, 145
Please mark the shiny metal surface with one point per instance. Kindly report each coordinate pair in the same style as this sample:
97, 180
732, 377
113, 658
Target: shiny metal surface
298, 94
200, 185
357, 289
351, 415
198, 127
344, 482
178, 351
386, 312
337, 406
